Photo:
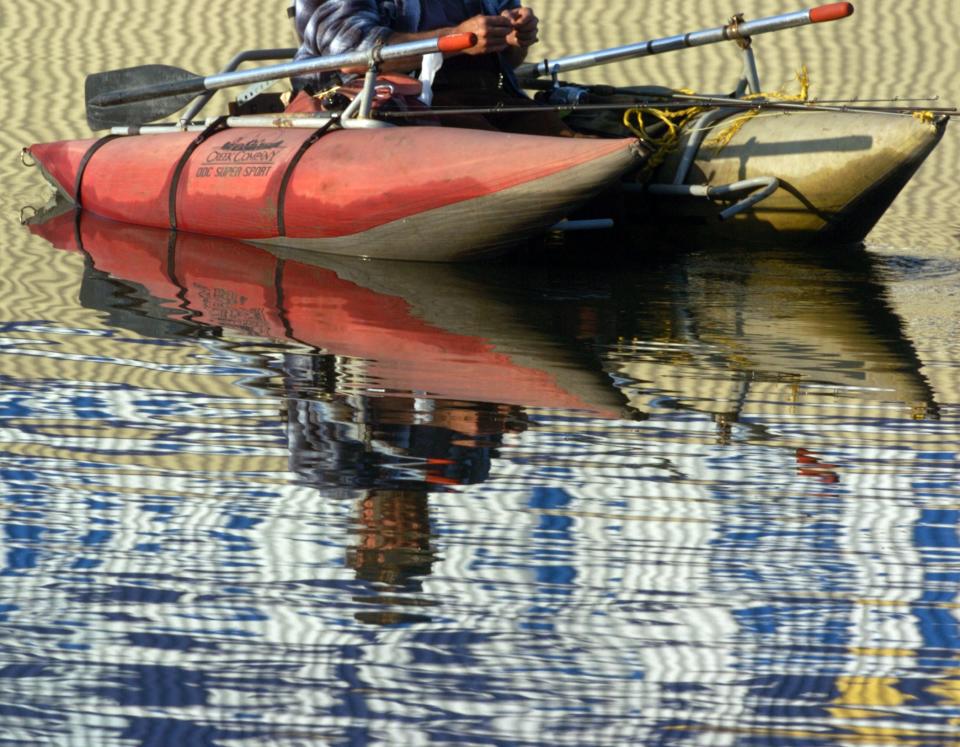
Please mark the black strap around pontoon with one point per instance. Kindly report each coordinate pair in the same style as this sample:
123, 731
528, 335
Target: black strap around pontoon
77, 233
220, 123
285, 182
82, 168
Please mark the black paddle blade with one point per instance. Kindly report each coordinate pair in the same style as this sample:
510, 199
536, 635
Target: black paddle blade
136, 95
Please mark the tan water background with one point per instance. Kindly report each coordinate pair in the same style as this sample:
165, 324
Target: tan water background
887, 49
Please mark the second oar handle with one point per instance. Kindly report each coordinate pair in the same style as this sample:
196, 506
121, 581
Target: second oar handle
449, 44
742, 30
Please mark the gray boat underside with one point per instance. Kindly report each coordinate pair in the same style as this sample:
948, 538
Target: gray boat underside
482, 227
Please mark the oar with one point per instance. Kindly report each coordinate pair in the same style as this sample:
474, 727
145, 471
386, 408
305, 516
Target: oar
134, 95
742, 30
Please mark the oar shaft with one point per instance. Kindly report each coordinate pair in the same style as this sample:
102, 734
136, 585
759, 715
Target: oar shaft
451, 43
832, 12
196, 84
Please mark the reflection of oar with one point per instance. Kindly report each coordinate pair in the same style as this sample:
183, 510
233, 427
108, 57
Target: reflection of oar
135, 95
732, 31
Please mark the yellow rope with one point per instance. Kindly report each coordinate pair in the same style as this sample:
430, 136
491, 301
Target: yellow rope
723, 138
323, 94
677, 120
674, 119
287, 96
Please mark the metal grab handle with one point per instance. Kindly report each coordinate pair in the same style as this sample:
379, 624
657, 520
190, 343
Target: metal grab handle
760, 187
250, 55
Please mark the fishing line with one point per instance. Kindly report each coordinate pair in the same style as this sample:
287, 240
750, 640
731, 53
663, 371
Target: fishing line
686, 102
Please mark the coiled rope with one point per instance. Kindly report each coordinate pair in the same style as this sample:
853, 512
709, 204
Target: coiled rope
676, 120
723, 138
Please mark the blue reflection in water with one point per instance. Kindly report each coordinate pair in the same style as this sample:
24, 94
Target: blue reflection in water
675, 525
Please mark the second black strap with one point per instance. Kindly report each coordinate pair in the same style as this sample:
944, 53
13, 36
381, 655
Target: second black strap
285, 182
82, 168
220, 123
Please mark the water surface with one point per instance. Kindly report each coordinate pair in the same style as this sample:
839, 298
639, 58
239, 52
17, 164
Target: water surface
709, 498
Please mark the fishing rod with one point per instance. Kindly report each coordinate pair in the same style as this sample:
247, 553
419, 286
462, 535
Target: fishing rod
684, 103
813, 105
602, 89
858, 100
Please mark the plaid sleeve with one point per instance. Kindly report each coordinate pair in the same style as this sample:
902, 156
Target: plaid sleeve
338, 26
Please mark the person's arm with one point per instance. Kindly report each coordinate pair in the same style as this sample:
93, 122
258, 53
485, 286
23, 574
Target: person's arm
492, 33
512, 32
330, 27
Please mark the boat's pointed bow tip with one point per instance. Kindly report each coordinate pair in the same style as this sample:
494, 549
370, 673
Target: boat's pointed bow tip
929, 130
940, 122
909, 137
59, 161
620, 154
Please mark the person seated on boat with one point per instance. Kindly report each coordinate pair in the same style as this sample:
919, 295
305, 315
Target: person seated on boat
481, 77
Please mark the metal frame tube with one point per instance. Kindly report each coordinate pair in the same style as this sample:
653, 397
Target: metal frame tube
750, 72
321, 64
279, 121
369, 92
591, 224
760, 187
699, 129
250, 55
352, 108
764, 186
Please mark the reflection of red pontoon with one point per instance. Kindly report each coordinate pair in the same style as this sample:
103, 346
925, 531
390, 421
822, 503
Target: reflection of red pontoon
246, 288
423, 193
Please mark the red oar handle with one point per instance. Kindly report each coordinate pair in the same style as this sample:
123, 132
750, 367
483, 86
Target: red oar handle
832, 12
459, 42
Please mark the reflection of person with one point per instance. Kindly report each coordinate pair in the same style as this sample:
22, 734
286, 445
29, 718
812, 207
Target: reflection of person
393, 554
386, 443
388, 446
396, 450
480, 77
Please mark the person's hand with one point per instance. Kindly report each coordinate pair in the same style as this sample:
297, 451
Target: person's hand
524, 24
491, 31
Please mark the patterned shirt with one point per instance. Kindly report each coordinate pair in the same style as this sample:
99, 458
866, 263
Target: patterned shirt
329, 27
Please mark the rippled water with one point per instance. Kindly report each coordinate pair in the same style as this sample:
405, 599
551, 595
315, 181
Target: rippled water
705, 499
